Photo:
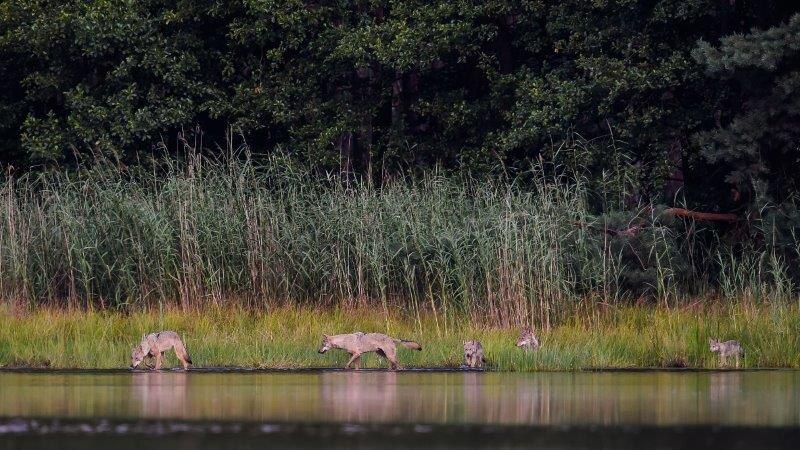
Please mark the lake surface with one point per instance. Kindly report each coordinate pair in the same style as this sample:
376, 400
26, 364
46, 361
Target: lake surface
372, 409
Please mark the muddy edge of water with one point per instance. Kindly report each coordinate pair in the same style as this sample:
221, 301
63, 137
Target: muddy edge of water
307, 370
44, 426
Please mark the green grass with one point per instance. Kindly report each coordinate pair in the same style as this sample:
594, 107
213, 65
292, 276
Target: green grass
252, 263
631, 337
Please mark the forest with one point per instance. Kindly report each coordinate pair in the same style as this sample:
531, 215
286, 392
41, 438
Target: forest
498, 156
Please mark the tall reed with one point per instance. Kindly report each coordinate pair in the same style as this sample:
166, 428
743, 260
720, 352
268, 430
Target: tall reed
204, 232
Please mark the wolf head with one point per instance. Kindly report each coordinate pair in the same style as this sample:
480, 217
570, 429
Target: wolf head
326, 344
527, 338
470, 347
713, 345
137, 356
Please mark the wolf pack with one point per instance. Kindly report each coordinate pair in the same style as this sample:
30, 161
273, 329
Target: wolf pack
154, 345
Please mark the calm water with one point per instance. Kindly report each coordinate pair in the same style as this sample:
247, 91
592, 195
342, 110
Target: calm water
383, 409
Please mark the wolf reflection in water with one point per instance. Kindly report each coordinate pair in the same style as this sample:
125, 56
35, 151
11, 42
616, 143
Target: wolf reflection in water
761, 398
161, 394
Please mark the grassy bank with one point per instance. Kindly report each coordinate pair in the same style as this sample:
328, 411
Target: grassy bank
288, 338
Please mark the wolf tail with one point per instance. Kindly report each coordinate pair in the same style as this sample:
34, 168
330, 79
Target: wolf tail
180, 349
409, 344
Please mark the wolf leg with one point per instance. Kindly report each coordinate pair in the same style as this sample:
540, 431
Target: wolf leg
353, 357
391, 355
159, 357
183, 355
183, 361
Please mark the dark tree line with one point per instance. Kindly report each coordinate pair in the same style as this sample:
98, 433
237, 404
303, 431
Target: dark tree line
694, 99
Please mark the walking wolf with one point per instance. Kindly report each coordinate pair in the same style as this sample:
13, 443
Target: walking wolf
359, 343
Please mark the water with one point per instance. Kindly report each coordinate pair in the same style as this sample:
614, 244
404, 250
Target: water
379, 409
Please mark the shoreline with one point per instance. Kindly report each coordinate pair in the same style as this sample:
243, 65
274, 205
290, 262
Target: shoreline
411, 370
630, 338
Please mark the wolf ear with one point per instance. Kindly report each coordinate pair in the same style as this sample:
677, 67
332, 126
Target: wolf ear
325, 336
710, 341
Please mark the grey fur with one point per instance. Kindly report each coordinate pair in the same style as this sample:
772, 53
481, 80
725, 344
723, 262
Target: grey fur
726, 349
528, 340
359, 343
154, 345
473, 355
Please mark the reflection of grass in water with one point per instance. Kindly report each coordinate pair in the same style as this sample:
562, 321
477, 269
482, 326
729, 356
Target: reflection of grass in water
619, 338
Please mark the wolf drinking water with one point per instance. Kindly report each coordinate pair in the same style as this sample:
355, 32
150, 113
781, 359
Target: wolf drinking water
154, 345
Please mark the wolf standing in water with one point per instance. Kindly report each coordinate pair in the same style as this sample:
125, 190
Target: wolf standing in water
358, 343
155, 344
725, 349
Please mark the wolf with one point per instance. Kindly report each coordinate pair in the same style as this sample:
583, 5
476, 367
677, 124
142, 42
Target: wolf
359, 343
726, 349
154, 345
527, 340
473, 355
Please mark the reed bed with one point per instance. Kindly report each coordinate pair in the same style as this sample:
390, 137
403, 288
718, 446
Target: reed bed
205, 233
202, 233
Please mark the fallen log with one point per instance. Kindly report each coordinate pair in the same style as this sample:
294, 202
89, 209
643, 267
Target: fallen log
697, 215
674, 212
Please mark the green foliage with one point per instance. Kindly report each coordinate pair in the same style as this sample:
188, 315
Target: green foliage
757, 141
357, 85
103, 75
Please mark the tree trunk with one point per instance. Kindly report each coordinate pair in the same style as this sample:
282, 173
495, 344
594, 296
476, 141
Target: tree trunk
345, 145
397, 101
504, 49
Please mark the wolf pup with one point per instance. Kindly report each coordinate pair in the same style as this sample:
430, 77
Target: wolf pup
527, 340
359, 343
155, 344
473, 355
726, 349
